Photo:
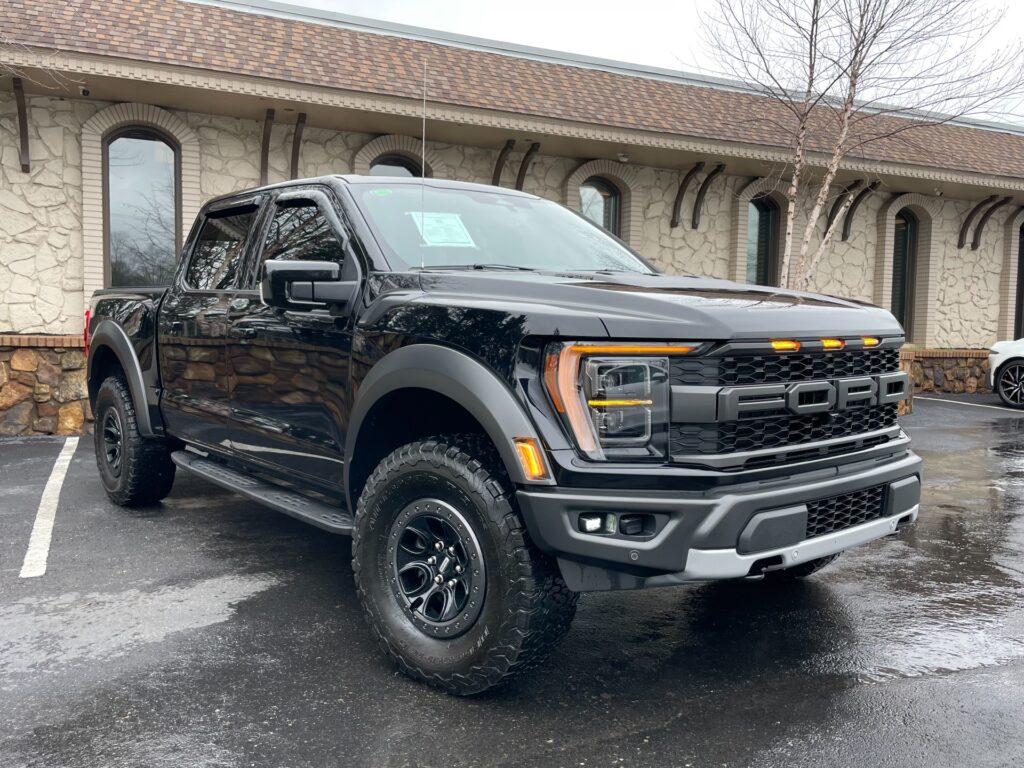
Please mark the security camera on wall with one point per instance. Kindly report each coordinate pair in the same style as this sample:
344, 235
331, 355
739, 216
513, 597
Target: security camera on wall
83, 91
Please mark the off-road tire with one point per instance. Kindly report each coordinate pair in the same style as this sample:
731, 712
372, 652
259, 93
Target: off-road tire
145, 472
526, 609
801, 571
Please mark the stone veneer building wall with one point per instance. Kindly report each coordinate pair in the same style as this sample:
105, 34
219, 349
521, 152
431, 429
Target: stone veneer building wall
208, 98
42, 289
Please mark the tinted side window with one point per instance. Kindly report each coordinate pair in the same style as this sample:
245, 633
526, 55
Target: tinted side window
302, 233
217, 256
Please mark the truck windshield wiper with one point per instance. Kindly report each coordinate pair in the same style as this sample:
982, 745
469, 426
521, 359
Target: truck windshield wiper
510, 267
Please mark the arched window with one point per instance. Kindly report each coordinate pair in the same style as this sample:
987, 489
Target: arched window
1018, 323
142, 207
763, 241
904, 267
601, 202
395, 165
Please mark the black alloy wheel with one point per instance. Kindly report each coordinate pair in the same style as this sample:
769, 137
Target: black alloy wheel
438, 570
113, 436
1010, 384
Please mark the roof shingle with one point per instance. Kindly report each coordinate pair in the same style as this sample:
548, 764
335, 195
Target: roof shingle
212, 38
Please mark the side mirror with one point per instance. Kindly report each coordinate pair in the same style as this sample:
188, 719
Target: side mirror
300, 286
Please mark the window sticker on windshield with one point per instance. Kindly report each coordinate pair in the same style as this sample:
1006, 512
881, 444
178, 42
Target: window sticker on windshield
442, 229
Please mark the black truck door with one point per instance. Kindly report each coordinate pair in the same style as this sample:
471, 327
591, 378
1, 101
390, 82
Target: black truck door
290, 395
193, 326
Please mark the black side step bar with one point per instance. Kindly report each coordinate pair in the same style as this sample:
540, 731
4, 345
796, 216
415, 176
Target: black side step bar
316, 513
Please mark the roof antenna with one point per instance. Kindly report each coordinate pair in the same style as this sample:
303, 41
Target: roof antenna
423, 166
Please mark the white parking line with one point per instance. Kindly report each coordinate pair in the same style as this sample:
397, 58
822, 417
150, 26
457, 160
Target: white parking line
42, 531
976, 405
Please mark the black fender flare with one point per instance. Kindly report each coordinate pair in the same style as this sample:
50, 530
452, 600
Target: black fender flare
108, 334
457, 376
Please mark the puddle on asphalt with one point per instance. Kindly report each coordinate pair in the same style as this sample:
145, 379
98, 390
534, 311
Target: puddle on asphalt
43, 634
950, 596
945, 596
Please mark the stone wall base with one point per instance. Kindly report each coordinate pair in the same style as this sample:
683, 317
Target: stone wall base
42, 386
951, 371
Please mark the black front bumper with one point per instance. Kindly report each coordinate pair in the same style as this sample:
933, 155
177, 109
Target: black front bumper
726, 532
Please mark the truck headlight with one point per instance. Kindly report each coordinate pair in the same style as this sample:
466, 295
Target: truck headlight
613, 398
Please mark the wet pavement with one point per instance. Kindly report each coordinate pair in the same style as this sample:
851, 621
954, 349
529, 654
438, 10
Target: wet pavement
210, 632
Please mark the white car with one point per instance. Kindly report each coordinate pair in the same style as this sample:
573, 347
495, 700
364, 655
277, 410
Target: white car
1006, 372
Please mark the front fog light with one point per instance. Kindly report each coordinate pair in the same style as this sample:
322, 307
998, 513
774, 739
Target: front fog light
595, 522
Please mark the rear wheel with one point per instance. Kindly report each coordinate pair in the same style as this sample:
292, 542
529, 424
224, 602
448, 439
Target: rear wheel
801, 571
134, 469
451, 585
1010, 384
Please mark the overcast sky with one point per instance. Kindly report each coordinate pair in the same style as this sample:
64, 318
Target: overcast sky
662, 33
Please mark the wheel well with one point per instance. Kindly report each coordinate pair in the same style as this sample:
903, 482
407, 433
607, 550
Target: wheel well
401, 417
103, 363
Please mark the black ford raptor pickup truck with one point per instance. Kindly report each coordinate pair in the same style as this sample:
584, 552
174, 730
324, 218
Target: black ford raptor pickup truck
502, 404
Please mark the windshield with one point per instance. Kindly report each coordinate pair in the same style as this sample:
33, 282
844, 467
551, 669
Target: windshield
441, 227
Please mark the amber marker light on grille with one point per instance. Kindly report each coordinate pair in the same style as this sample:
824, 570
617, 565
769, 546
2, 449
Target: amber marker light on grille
530, 458
785, 345
870, 341
833, 343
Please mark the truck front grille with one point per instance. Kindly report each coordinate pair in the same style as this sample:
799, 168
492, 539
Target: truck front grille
757, 431
741, 370
841, 512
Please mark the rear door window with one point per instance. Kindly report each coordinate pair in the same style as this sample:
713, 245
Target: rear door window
218, 253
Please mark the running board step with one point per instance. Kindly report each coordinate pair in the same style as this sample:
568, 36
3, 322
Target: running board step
280, 499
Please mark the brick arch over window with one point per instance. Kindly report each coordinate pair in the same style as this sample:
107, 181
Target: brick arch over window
624, 179
926, 209
94, 131
1008, 283
766, 187
406, 146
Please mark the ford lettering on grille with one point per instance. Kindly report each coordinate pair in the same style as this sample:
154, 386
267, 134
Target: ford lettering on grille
809, 397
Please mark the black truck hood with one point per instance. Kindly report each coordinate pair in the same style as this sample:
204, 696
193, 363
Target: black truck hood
635, 306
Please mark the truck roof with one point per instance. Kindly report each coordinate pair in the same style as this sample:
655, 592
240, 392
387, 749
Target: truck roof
350, 178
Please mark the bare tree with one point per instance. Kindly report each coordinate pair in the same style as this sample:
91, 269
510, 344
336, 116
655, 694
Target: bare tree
841, 75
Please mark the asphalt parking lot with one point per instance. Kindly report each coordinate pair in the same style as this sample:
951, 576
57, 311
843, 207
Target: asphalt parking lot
207, 631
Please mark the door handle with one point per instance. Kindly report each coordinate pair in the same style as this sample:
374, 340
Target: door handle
242, 333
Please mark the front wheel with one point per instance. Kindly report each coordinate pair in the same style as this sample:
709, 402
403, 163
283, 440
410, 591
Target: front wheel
450, 583
1010, 384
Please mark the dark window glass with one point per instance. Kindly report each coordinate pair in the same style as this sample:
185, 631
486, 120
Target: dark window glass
763, 242
394, 165
904, 258
142, 208
217, 256
600, 202
302, 233
1018, 325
